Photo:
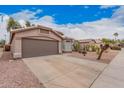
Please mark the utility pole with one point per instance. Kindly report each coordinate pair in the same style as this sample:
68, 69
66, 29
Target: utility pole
1, 15
5, 38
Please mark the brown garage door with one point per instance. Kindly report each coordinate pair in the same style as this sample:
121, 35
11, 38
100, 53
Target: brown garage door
34, 47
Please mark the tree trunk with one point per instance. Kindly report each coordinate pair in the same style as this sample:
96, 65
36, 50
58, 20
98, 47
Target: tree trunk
101, 52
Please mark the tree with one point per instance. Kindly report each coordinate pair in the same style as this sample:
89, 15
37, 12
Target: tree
28, 24
103, 48
122, 41
108, 41
116, 35
12, 24
76, 46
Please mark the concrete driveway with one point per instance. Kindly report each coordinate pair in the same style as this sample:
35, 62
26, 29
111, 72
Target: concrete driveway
64, 71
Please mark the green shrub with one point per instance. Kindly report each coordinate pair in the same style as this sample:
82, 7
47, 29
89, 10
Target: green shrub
93, 48
97, 50
87, 48
83, 50
76, 46
115, 48
108, 41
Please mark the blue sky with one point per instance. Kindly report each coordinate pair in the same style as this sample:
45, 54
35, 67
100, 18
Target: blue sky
76, 21
65, 14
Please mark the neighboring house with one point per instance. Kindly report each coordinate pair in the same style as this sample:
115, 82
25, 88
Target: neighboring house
98, 42
90, 42
86, 42
67, 44
35, 41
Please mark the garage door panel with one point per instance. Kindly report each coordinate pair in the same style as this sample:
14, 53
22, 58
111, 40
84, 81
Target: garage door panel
34, 47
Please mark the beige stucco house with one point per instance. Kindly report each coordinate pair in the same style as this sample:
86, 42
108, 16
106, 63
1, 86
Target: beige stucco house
90, 42
35, 41
84, 42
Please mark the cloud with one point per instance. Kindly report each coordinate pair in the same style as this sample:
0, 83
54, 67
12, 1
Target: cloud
46, 20
22, 23
26, 14
96, 29
103, 28
118, 15
39, 11
86, 7
107, 6
119, 11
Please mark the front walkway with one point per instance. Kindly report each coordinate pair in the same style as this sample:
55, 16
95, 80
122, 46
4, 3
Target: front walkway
64, 71
113, 75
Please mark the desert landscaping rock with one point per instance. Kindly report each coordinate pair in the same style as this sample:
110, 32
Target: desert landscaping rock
107, 56
15, 74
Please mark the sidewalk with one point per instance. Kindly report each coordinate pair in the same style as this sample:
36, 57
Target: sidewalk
113, 75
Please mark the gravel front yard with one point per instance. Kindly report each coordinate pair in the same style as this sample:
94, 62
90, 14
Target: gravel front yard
106, 57
15, 73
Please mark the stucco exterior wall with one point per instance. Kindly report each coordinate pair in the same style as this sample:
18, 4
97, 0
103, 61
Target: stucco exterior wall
16, 45
54, 36
17, 52
12, 46
67, 46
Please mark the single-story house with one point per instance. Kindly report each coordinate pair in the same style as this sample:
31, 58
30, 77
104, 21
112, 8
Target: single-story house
86, 42
98, 42
35, 41
90, 42
67, 44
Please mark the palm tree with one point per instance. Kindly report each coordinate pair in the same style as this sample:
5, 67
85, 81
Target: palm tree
28, 24
12, 24
116, 35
